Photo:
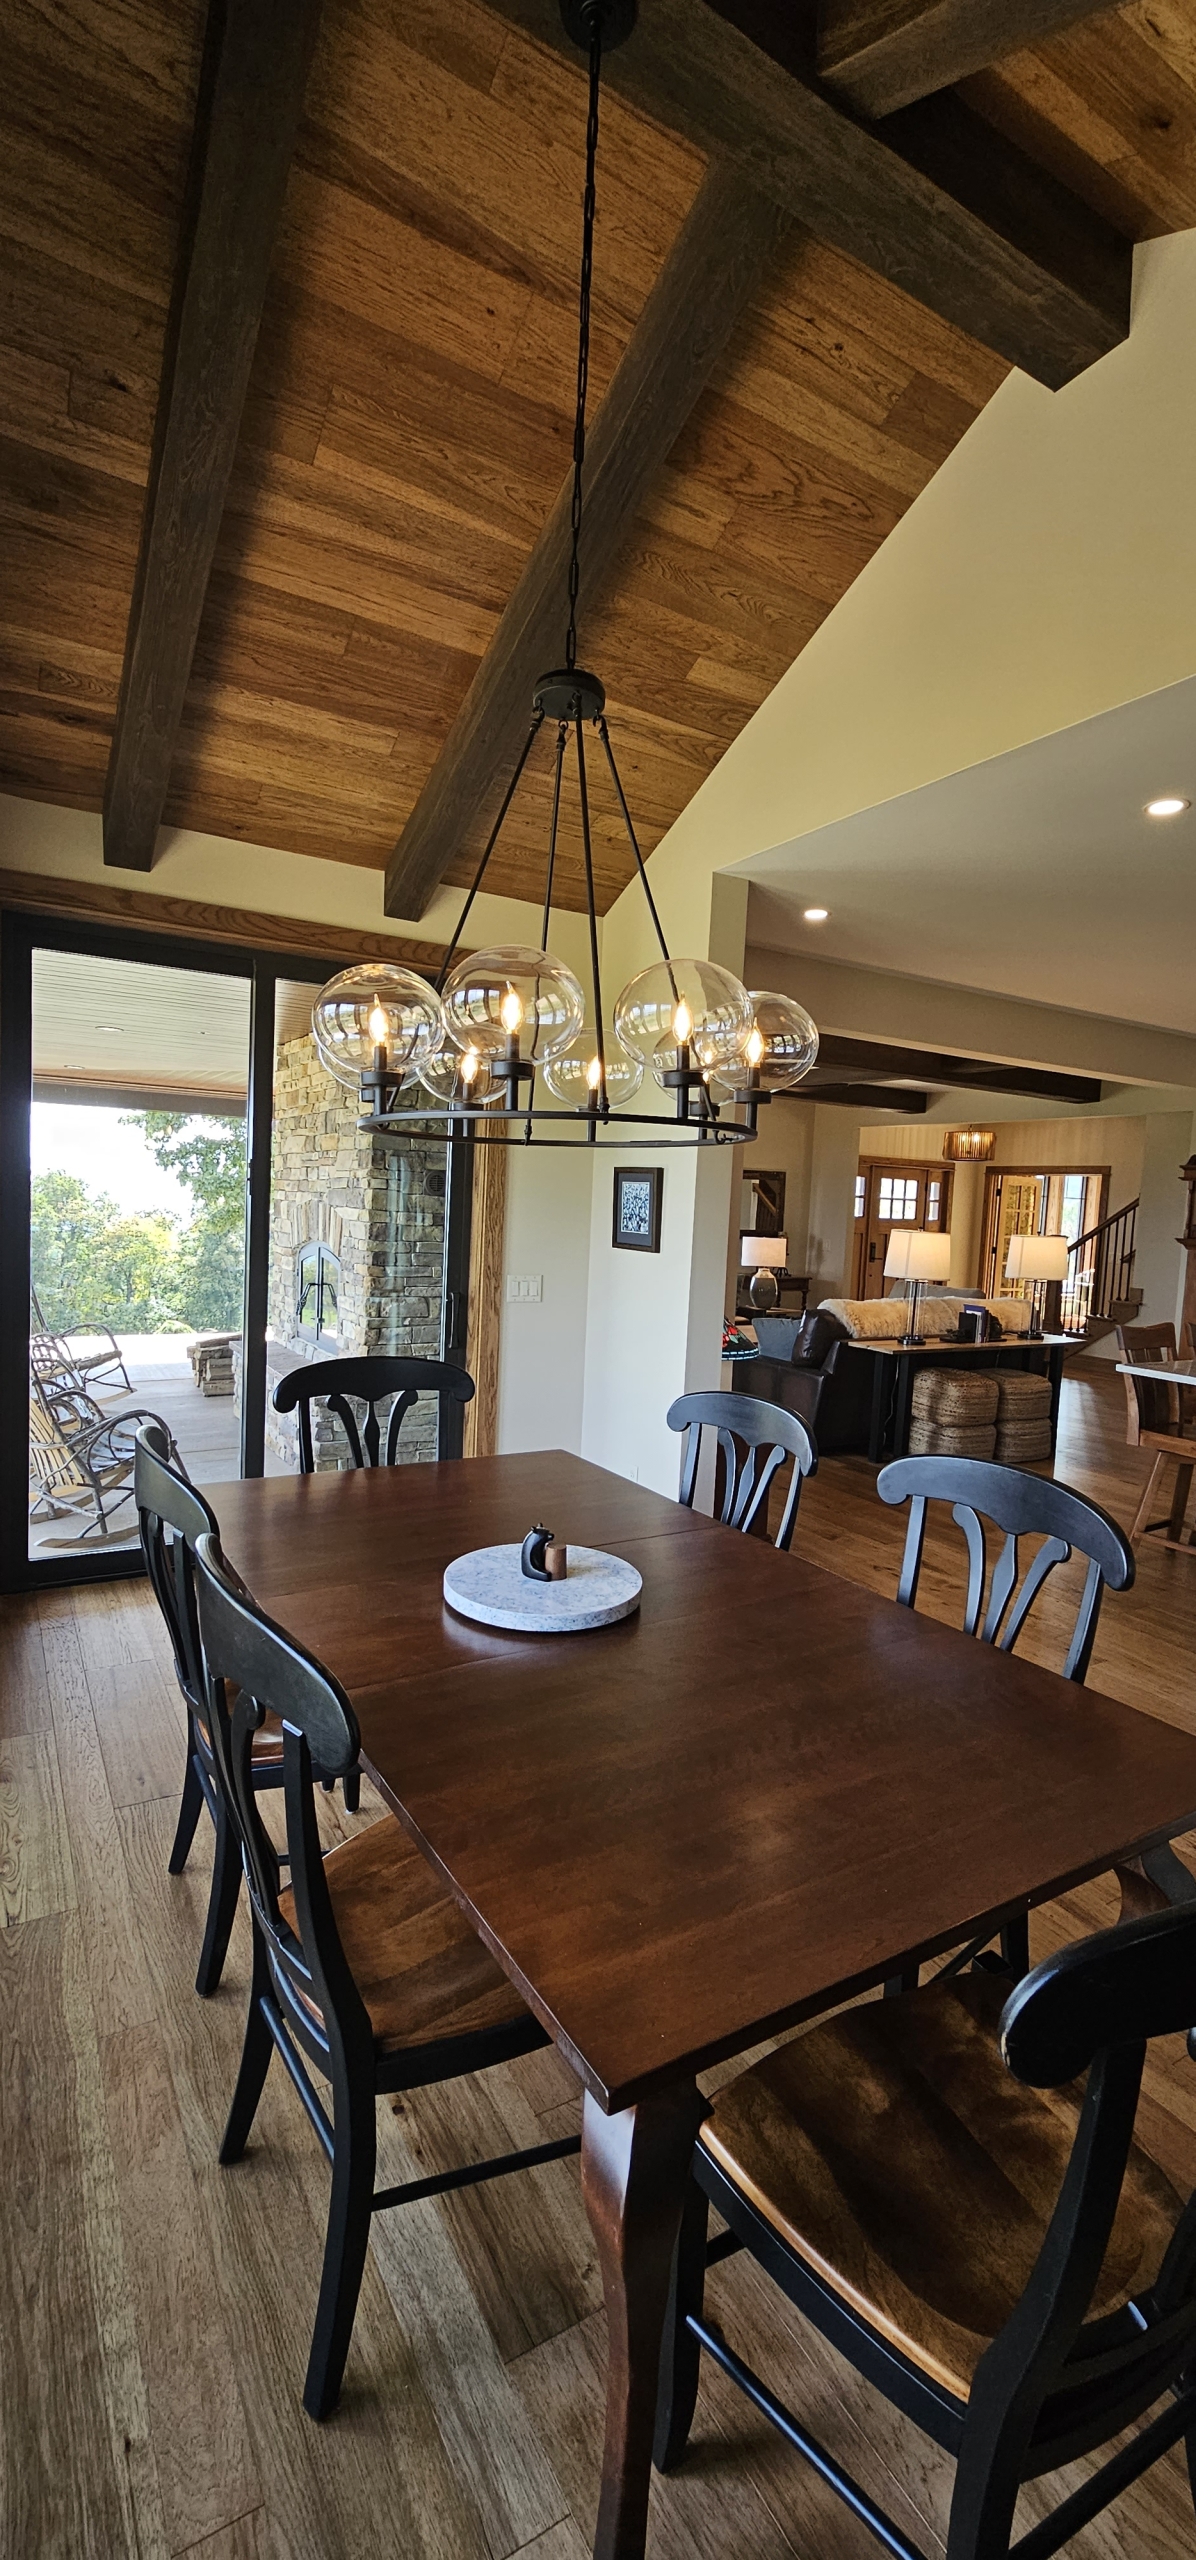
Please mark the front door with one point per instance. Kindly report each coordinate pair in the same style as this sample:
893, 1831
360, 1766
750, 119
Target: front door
893, 1193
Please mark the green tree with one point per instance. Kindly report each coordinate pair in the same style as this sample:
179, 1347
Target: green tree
206, 1155
94, 1265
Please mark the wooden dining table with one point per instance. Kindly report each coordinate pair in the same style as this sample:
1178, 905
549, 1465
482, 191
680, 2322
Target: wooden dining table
767, 1791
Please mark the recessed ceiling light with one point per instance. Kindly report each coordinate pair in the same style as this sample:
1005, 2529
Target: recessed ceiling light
1167, 807
815, 915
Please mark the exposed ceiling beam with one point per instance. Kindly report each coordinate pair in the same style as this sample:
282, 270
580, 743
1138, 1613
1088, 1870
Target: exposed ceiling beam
1031, 299
843, 1059
863, 1097
256, 57
715, 267
878, 55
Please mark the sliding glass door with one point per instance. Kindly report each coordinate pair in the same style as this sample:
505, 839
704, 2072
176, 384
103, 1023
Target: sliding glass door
188, 1210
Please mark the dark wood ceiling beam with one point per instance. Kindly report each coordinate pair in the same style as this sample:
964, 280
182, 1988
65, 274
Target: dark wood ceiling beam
878, 55
863, 1097
716, 265
843, 1059
250, 100
691, 68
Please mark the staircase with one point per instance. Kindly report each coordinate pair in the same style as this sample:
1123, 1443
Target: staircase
1099, 1291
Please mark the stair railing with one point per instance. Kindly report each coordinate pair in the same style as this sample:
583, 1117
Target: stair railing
1100, 1271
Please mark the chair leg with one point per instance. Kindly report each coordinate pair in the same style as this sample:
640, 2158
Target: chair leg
351, 1790
1179, 1500
190, 1809
355, 2139
1148, 1494
222, 1906
1015, 1947
255, 2062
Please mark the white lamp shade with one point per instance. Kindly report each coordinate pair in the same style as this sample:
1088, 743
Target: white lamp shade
929, 1257
764, 1253
1037, 1258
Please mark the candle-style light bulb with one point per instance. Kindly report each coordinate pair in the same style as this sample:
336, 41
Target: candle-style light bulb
594, 1074
470, 1062
683, 1024
378, 1025
755, 1046
510, 1013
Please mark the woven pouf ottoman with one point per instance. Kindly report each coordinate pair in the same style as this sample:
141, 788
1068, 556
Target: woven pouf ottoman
1023, 1419
953, 1415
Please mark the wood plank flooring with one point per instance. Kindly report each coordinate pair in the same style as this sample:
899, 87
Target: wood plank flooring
155, 2309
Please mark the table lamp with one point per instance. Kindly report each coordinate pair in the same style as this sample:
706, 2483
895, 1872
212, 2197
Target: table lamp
914, 1255
763, 1256
1037, 1258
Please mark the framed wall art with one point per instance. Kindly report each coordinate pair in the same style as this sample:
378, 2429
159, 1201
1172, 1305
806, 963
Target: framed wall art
639, 1190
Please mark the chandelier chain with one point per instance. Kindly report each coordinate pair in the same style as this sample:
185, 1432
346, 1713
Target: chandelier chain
589, 200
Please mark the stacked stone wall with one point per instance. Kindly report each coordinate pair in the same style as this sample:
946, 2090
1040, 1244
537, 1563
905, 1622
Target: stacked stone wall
379, 1205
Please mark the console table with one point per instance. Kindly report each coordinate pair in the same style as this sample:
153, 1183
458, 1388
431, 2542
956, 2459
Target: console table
896, 1364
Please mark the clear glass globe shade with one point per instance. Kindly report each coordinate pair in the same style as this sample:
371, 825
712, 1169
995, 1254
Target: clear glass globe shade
691, 1003
787, 1045
494, 996
446, 1079
376, 1005
575, 1077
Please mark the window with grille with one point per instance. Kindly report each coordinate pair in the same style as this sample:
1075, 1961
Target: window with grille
861, 1193
898, 1197
934, 1193
317, 1287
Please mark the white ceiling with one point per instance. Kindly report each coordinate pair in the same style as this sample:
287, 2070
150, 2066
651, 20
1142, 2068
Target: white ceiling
1035, 875
131, 1031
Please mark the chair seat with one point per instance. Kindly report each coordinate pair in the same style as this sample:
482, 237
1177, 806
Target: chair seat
422, 1972
267, 1741
895, 2154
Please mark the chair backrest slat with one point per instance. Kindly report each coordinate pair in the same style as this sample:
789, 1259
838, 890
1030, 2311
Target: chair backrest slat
263, 1670
754, 1439
1023, 1505
166, 1504
370, 1381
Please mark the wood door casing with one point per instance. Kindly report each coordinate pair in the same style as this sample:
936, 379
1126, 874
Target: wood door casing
894, 1191
1022, 1199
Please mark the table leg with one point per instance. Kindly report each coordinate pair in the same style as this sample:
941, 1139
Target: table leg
881, 1382
905, 1367
1055, 1359
634, 2168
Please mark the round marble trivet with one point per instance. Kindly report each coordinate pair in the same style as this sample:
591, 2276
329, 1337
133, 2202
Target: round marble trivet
490, 1585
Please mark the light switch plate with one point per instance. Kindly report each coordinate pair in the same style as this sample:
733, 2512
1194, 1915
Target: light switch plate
524, 1284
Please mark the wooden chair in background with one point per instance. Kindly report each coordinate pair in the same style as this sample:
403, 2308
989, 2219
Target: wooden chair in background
754, 1440
370, 1381
1010, 2270
1159, 1417
365, 1970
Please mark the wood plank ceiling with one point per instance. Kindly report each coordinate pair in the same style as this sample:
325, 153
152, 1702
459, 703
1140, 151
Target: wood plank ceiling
407, 425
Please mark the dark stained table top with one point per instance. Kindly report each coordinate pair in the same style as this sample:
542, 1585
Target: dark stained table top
766, 1791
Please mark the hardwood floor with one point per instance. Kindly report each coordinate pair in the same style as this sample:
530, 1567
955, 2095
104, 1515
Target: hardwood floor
155, 2309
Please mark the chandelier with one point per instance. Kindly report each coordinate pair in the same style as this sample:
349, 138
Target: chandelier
475, 1049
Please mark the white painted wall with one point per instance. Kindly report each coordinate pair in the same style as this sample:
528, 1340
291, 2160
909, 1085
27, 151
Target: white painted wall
541, 1365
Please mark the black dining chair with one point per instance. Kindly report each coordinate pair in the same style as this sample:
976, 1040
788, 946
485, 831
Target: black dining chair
1007, 2267
1022, 1505
754, 1441
372, 1381
365, 1971
172, 1515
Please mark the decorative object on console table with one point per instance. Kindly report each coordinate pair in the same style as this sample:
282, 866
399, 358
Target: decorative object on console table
915, 1255
639, 1195
1039, 1258
764, 1256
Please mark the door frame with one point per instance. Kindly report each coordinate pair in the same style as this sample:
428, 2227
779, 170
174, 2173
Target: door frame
994, 1174
870, 1170
22, 932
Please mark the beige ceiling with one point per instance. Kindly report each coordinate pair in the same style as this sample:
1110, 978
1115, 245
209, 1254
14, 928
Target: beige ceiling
123, 1030
1035, 874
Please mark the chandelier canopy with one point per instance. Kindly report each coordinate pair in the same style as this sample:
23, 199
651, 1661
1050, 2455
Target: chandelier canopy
498, 1026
